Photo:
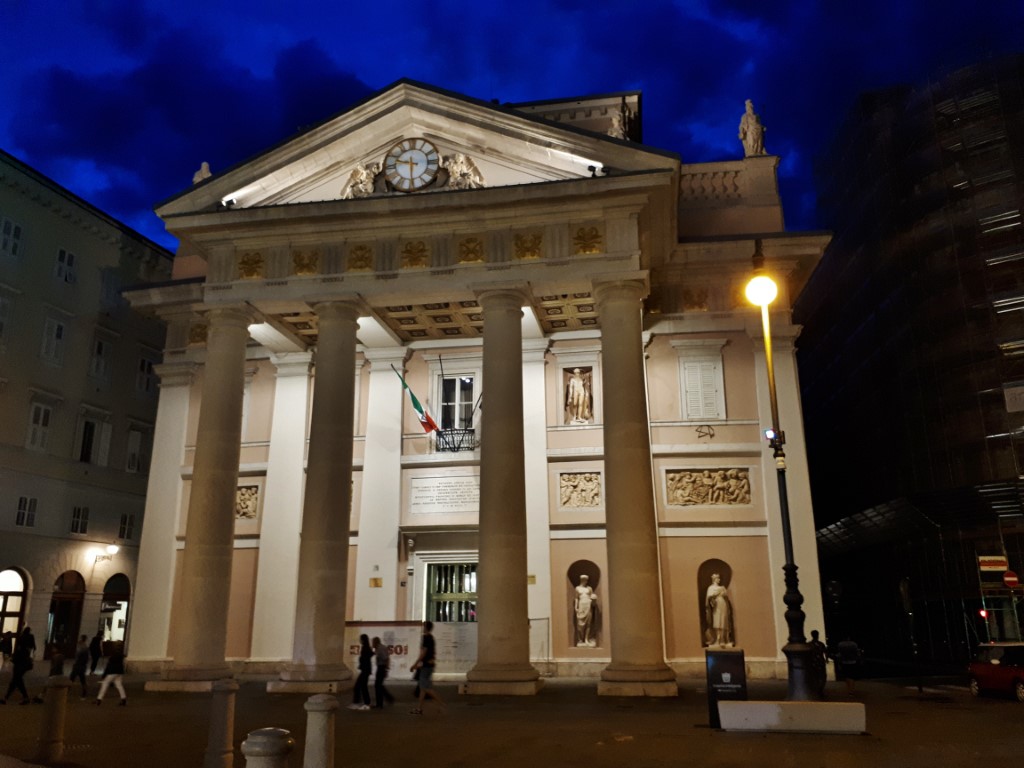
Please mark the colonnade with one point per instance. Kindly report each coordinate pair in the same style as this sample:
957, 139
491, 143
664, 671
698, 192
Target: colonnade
318, 652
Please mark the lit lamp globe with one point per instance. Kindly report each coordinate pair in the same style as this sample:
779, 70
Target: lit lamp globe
761, 290
112, 549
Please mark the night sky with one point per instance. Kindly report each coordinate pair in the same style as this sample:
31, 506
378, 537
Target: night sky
120, 101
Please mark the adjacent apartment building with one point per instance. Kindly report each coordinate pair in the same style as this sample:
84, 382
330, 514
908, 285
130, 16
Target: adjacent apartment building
78, 394
912, 366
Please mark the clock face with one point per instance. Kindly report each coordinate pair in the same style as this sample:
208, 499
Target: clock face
411, 164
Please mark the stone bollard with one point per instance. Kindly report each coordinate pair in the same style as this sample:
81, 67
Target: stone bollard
50, 747
268, 748
320, 731
220, 748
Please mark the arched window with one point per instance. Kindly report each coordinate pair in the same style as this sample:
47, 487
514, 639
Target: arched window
117, 594
12, 600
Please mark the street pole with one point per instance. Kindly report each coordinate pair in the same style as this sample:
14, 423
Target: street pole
802, 686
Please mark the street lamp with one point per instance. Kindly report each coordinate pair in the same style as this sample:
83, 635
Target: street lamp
761, 291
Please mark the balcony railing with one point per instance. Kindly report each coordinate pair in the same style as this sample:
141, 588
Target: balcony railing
455, 440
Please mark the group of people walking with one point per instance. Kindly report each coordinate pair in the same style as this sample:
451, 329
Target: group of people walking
19, 652
423, 671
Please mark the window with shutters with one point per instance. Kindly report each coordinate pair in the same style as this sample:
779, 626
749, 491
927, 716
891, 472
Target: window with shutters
126, 529
64, 269
80, 520
10, 238
54, 334
140, 446
26, 515
702, 378
38, 426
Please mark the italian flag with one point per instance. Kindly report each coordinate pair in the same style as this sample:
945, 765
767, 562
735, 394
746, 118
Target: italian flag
421, 414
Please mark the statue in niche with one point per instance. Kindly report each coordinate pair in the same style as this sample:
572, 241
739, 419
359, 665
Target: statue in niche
718, 614
361, 181
583, 608
579, 400
462, 172
751, 132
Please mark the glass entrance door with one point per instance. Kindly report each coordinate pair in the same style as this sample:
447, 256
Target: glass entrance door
451, 592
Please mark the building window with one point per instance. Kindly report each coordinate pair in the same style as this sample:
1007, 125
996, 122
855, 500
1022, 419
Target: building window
145, 378
80, 520
26, 516
39, 427
10, 238
140, 447
127, 527
451, 592
12, 600
94, 438
99, 363
53, 341
702, 377
65, 267
457, 402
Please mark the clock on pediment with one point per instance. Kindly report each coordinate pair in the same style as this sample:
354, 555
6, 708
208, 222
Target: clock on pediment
411, 164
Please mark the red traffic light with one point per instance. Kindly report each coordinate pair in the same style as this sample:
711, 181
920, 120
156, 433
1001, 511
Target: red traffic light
983, 613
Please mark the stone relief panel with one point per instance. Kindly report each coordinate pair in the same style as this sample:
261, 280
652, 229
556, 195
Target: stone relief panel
581, 490
471, 250
578, 387
360, 259
583, 579
587, 240
712, 486
250, 265
415, 254
305, 262
528, 246
247, 499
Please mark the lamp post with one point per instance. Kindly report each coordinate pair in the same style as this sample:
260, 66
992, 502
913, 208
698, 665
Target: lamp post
761, 290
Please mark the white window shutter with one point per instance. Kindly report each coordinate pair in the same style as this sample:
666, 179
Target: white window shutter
103, 450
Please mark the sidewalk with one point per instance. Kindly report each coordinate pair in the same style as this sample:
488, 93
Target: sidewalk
567, 724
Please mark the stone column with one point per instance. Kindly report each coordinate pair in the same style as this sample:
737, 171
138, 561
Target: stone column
273, 619
151, 602
319, 653
382, 491
538, 513
200, 636
503, 639
638, 665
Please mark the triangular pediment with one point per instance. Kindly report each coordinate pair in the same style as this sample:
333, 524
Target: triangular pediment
476, 144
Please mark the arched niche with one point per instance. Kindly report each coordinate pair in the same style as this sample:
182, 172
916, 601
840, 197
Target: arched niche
581, 636
715, 600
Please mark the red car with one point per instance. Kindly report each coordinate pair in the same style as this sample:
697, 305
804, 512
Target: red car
998, 667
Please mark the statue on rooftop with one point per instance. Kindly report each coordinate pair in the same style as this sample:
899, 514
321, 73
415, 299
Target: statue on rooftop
752, 132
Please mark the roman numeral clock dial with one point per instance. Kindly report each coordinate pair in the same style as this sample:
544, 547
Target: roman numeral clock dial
411, 164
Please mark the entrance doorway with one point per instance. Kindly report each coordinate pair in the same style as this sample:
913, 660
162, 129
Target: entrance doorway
65, 619
12, 601
451, 592
117, 594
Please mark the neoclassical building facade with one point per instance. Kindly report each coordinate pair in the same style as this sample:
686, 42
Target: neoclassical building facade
565, 305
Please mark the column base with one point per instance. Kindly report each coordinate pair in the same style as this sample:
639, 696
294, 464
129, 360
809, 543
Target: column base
501, 688
310, 686
630, 680
502, 680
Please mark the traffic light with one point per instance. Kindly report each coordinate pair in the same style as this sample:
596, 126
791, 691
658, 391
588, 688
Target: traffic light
983, 613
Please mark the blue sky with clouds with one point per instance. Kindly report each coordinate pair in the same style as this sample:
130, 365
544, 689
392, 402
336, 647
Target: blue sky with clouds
120, 100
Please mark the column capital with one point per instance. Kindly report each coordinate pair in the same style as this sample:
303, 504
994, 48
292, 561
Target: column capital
502, 295
291, 363
382, 358
534, 350
176, 374
338, 309
632, 287
235, 315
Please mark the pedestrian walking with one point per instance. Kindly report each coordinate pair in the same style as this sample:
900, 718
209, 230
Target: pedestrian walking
81, 664
819, 663
847, 659
7, 645
95, 651
425, 667
383, 656
113, 672
361, 692
21, 662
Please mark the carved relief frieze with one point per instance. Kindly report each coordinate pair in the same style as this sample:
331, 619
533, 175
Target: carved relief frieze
579, 489
695, 299
720, 486
305, 262
197, 334
586, 240
250, 265
360, 259
462, 172
361, 181
246, 502
471, 250
527, 246
415, 254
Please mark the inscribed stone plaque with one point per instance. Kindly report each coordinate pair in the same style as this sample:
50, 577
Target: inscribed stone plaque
439, 495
